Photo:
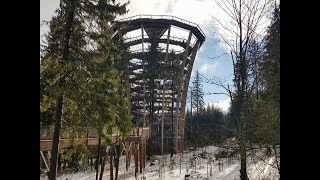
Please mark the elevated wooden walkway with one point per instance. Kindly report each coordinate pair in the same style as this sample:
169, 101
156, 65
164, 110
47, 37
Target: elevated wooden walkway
138, 135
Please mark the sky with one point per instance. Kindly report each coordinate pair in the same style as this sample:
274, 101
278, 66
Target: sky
200, 12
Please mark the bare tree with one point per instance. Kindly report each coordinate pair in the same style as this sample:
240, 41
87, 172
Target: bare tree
246, 17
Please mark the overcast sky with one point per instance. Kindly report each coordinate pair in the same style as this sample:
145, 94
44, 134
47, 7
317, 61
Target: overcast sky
197, 11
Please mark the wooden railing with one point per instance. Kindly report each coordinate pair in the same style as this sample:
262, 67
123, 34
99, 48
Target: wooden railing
71, 136
46, 133
167, 17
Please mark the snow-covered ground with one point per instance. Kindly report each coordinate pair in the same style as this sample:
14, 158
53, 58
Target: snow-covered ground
191, 164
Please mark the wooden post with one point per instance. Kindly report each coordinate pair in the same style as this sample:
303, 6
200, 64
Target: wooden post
44, 160
145, 153
98, 158
135, 160
127, 159
91, 163
118, 155
140, 156
222, 166
130, 153
180, 162
111, 163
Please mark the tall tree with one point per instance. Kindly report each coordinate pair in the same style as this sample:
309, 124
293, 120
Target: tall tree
197, 93
245, 19
197, 98
78, 70
268, 103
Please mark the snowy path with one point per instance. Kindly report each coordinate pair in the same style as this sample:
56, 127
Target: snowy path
229, 173
256, 170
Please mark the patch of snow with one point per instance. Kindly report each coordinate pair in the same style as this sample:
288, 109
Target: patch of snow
192, 164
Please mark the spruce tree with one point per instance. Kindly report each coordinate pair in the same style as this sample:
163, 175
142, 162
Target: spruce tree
197, 92
267, 106
79, 78
198, 102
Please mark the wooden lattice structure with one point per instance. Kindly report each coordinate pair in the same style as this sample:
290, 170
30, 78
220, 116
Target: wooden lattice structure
159, 63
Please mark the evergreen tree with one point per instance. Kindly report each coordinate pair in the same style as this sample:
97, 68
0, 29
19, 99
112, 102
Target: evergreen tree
197, 93
211, 126
267, 106
268, 102
79, 79
198, 103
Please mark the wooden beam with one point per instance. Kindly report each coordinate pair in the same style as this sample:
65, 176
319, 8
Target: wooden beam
143, 154
46, 145
135, 160
140, 156
44, 160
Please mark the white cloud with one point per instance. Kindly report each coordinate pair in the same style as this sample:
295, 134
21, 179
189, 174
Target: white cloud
202, 49
223, 25
191, 10
223, 104
47, 8
200, 12
208, 68
197, 11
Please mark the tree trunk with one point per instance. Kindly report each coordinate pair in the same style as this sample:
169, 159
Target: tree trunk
111, 163
103, 165
118, 150
59, 163
172, 103
243, 160
243, 169
57, 128
127, 159
55, 141
129, 153
98, 159
275, 154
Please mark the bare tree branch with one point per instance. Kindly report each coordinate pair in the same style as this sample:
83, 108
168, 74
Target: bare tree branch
262, 159
227, 10
217, 56
218, 84
226, 28
215, 93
